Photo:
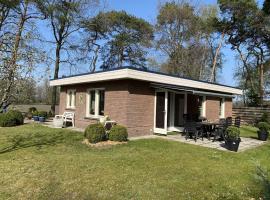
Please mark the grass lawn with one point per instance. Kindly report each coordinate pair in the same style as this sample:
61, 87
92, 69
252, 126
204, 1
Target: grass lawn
41, 163
249, 131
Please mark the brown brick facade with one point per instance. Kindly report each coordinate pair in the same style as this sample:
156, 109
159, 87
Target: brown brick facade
212, 107
131, 103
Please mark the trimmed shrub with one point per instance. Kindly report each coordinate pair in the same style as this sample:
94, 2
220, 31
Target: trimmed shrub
233, 133
11, 118
95, 133
43, 114
32, 109
35, 113
263, 126
118, 133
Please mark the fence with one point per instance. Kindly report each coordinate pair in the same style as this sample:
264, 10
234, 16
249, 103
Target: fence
40, 107
250, 115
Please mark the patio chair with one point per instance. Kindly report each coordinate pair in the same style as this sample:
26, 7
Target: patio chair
229, 121
67, 117
237, 121
220, 129
191, 130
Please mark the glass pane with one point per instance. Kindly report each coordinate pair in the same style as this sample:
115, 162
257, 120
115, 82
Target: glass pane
74, 99
101, 102
70, 98
179, 110
160, 109
220, 106
200, 111
92, 102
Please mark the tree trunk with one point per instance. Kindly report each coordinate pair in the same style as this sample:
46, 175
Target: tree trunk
56, 71
12, 64
261, 83
213, 73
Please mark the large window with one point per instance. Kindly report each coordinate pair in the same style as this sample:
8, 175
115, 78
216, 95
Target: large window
221, 108
95, 102
71, 98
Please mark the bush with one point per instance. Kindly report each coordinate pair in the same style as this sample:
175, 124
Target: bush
118, 133
11, 118
232, 133
35, 113
264, 126
32, 109
95, 133
43, 114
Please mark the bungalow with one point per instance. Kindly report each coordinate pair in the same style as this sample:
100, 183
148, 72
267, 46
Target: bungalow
145, 102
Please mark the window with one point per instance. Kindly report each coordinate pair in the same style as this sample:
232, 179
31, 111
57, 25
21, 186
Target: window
71, 98
95, 102
201, 106
221, 108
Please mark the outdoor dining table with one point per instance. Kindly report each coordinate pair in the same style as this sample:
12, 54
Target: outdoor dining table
209, 128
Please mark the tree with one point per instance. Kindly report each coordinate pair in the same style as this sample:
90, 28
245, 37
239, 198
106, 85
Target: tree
64, 17
266, 7
124, 38
184, 37
18, 56
244, 25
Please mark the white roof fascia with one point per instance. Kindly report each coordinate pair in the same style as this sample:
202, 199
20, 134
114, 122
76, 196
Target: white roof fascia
145, 76
159, 78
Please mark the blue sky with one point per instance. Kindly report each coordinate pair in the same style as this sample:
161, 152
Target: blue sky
147, 9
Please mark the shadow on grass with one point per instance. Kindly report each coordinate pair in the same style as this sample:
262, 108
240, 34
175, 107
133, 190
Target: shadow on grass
31, 140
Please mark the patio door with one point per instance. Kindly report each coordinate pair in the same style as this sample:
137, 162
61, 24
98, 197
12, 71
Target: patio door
161, 113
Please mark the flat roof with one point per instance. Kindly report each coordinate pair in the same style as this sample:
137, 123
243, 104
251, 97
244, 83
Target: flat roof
143, 75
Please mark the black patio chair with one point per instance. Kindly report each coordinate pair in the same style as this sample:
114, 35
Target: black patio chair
220, 129
229, 121
192, 130
237, 121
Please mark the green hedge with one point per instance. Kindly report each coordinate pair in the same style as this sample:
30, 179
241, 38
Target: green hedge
95, 133
118, 133
11, 118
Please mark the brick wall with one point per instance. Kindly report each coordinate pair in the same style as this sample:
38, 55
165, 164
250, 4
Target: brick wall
228, 107
128, 102
140, 114
116, 95
212, 107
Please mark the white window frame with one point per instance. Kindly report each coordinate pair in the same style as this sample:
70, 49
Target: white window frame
73, 98
88, 100
222, 108
203, 107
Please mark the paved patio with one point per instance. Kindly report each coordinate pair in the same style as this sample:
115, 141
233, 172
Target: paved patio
245, 144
